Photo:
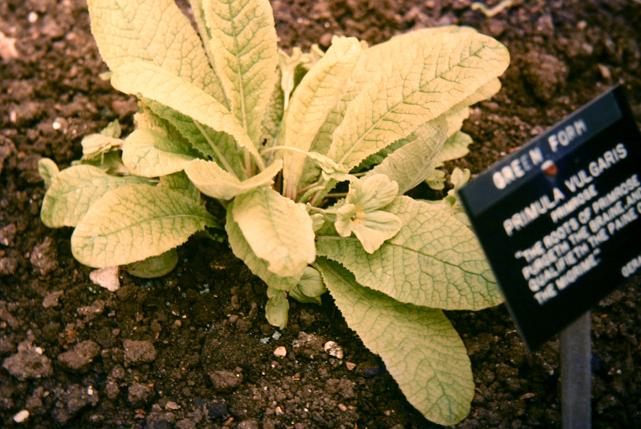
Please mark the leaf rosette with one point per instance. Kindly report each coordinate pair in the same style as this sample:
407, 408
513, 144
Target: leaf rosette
310, 154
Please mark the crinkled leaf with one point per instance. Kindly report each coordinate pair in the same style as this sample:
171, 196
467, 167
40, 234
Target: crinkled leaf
150, 81
278, 230
48, 170
318, 92
409, 165
435, 260
243, 251
113, 129
218, 146
74, 190
215, 182
134, 222
294, 67
454, 120
156, 32
419, 346
243, 46
153, 153
183, 125
156, 266
454, 147
274, 116
277, 308
367, 69
418, 83
95, 145
310, 288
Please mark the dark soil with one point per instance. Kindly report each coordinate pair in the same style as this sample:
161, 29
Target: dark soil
193, 349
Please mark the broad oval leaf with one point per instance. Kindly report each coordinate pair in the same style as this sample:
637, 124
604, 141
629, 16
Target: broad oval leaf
243, 46
434, 261
321, 88
154, 31
135, 222
419, 346
74, 190
154, 267
278, 230
215, 182
152, 82
418, 83
243, 251
151, 153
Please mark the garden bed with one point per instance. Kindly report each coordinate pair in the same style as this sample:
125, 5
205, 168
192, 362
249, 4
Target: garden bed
193, 349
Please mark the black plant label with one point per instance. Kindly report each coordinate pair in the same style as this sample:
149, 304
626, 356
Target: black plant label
560, 219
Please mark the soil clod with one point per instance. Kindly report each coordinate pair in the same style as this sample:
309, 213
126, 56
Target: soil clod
224, 381
138, 352
80, 357
28, 364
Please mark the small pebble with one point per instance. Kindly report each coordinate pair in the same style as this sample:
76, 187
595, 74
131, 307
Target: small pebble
342, 407
350, 366
171, 405
333, 349
21, 416
52, 299
106, 277
32, 17
280, 351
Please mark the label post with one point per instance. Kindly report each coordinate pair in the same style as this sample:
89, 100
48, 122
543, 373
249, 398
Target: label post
576, 374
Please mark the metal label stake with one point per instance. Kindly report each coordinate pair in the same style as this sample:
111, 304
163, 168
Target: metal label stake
576, 374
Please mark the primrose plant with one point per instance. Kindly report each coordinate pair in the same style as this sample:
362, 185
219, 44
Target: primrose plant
309, 154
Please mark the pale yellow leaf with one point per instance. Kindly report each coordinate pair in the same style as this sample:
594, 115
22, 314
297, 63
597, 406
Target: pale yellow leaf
278, 230
150, 81
243, 251
311, 103
416, 84
135, 222
156, 32
243, 46
74, 190
151, 153
418, 345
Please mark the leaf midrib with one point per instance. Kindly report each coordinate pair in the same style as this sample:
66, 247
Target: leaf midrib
145, 220
409, 249
420, 89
